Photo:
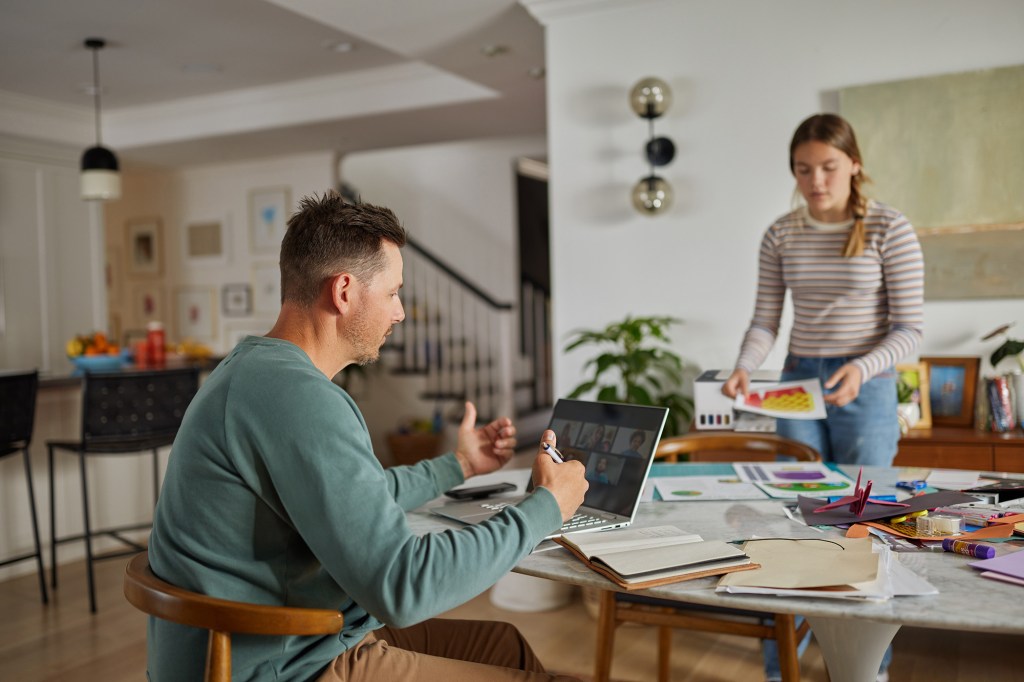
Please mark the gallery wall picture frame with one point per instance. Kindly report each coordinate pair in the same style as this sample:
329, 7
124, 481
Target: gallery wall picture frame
912, 382
205, 242
268, 218
953, 383
144, 246
266, 289
195, 313
148, 304
236, 299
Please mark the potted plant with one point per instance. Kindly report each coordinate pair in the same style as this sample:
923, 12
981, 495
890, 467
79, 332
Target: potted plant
634, 366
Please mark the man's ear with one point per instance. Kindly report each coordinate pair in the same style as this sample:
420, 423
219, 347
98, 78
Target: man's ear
341, 291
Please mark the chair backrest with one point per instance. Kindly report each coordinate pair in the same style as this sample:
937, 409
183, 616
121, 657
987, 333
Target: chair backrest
730, 446
129, 411
17, 410
148, 593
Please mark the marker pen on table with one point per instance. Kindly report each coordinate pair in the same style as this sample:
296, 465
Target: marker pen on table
969, 548
555, 454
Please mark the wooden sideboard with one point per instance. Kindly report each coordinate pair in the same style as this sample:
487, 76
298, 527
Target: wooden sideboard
948, 447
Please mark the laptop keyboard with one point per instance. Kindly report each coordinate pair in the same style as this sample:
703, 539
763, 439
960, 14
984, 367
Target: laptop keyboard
579, 521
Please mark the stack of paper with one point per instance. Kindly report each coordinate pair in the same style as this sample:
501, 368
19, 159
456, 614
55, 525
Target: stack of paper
1008, 568
792, 479
839, 568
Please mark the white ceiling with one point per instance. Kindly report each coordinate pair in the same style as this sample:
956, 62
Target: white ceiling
199, 81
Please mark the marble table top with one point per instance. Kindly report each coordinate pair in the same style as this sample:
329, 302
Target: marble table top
966, 601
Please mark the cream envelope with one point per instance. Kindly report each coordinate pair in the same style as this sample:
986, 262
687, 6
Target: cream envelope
807, 564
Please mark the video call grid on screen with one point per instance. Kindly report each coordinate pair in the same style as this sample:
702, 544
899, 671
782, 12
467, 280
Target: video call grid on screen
614, 442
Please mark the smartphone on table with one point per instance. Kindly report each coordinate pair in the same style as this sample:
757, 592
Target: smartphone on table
479, 492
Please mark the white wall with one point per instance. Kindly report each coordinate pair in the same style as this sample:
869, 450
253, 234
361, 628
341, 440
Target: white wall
744, 75
457, 199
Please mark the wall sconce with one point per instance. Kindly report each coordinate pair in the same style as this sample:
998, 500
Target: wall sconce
650, 98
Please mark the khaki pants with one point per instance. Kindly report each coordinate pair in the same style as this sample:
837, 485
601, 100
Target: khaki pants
441, 650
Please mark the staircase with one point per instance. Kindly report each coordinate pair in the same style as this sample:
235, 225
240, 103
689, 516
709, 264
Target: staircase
458, 343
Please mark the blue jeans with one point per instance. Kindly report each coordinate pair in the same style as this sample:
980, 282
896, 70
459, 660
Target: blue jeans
865, 431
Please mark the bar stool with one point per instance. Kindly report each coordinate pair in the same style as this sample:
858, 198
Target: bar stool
123, 413
17, 417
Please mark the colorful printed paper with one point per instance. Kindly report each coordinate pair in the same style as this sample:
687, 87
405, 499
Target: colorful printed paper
787, 400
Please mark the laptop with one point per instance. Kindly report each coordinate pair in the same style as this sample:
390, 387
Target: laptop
615, 442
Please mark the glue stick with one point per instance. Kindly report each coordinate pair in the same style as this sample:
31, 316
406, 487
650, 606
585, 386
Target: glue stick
978, 551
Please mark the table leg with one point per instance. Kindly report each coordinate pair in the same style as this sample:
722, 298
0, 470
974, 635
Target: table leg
853, 648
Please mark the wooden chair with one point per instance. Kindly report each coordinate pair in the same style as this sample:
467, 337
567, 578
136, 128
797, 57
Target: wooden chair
617, 608
221, 617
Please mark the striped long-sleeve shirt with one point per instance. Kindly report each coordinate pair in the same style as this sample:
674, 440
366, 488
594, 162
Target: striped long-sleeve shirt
868, 306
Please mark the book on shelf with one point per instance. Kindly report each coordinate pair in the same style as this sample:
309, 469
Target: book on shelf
638, 558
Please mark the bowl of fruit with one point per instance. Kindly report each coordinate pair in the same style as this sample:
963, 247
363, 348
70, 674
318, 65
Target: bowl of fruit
94, 353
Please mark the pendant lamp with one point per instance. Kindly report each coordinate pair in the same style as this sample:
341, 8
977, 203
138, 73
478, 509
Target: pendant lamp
101, 178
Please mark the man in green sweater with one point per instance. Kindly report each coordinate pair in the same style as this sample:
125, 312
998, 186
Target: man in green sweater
273, 494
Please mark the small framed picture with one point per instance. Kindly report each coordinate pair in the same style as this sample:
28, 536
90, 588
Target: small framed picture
266, 288
953, 382
913, 399
205, 242
236, 299
145, 248
268, 218
195, 313
147, 304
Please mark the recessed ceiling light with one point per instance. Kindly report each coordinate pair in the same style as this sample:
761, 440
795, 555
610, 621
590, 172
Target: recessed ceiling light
493, 50
338, 45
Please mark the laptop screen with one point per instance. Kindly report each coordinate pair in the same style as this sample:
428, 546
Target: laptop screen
616, 444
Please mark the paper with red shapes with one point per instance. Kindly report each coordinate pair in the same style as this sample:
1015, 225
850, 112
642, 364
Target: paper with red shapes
788, 400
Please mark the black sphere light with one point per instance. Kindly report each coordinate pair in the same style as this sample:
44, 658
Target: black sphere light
649, 99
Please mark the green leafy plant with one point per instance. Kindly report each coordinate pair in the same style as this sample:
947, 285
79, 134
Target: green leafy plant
634, 366
1010, 347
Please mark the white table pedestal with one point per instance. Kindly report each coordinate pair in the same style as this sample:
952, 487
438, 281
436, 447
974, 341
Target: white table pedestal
852, 648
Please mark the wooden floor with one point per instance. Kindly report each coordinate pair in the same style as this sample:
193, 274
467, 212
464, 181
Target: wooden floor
63, 641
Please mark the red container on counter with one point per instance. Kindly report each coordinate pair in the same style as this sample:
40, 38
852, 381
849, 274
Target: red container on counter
156, 343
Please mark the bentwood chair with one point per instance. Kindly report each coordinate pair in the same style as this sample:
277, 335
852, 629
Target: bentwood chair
617, 608
148, 593
17, 417
123, 413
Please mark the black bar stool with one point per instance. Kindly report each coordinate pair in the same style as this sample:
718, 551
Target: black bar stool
123, 413
17, 417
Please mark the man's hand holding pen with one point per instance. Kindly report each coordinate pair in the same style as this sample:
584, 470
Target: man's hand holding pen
565, 480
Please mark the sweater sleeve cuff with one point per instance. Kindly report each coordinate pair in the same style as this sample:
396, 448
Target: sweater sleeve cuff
447, 471
543, 507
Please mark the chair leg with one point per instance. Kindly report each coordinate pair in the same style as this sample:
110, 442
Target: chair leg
53, 520
88, 535
35, 526
218, 657
785, 637
605, 636
664, 653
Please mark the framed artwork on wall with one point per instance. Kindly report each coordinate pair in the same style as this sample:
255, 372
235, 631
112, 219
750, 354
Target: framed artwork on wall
236, 299
914, 399
205, 242
268, 216
145, 248
195, 313
147, 305
266, 289
953, 382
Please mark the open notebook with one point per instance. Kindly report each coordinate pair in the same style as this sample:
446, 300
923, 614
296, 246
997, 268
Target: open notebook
615, 442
